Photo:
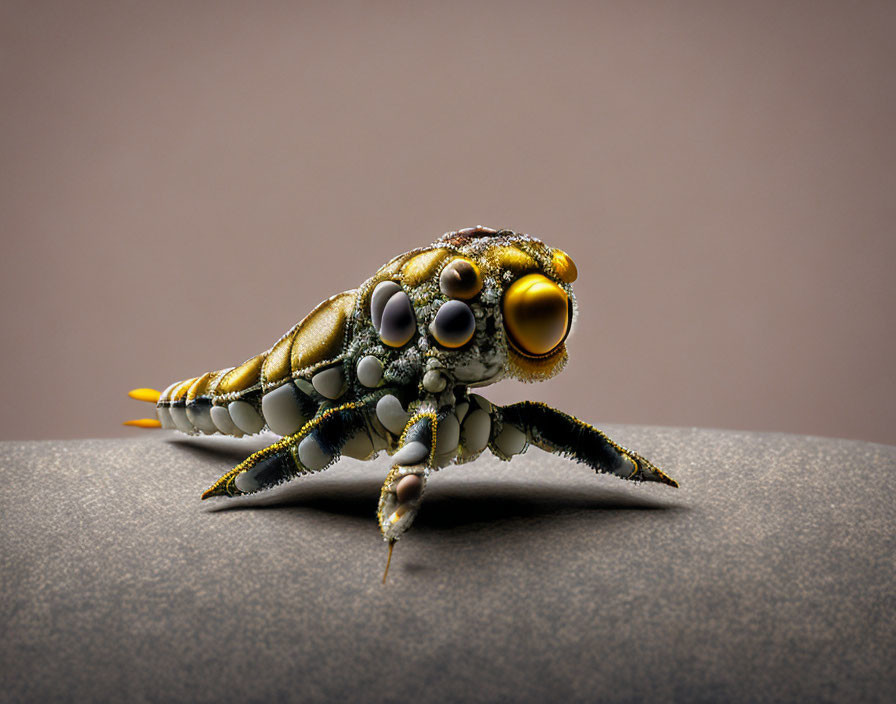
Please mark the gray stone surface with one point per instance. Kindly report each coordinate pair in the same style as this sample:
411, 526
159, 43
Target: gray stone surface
769, 576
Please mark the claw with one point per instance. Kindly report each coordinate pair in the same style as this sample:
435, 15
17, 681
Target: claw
388, 560
142, 394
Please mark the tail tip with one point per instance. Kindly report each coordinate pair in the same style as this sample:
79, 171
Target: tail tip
146, 423
144, 394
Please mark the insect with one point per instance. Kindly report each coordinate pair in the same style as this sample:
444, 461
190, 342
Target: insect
390, 366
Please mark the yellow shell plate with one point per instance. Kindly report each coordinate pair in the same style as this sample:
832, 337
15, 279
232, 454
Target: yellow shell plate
320, 336
511, 258
180, 391
422, 266
200, 386
564, 266
276, 366
242, 377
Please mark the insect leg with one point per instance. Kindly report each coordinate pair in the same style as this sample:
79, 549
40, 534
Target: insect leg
402, 491
529, 422
312, 449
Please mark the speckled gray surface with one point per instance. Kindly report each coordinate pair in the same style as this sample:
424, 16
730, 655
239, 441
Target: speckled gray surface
769, 576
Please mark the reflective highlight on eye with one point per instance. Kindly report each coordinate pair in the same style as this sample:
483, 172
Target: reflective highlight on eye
536, 314
460, 279
454, 324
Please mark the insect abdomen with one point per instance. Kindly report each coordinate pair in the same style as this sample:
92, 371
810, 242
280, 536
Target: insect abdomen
280, 389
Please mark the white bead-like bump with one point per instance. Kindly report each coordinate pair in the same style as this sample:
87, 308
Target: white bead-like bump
391, 414
330, 383
245, 417
164, 416
370, 371
475, 432
447, 435
246, 482
411, 454
434, 381
511, 440
409, 488
179, 416
200, 416
312, 455
221, 419
282, 409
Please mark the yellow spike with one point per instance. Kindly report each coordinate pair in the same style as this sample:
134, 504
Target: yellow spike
388, 560
150, 395
143, 423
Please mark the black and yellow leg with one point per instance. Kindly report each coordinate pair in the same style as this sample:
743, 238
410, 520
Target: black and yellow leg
402, 492
312, 449
529, 422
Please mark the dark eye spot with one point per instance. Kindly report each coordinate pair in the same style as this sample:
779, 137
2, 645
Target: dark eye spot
398, 323
460, 279
454, 324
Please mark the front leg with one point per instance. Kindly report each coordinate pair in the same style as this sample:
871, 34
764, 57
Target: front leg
554, 431
313, 448
402, 491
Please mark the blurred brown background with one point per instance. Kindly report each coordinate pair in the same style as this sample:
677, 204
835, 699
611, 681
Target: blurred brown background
181, 182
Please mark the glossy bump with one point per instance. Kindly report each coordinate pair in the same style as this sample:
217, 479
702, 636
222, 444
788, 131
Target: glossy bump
511, 440
330, 383
453, 325
223, 422
412, 453
282, 409
391, 414
410, 488
564, 266
369, 371
475, 432
399, 322
434, 381
199, 414
536, 314
381, 294
245, 417
460, 279
312, 455
179, 417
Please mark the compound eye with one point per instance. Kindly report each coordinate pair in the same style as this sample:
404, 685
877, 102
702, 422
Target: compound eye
460, 279
536, 314
453, 325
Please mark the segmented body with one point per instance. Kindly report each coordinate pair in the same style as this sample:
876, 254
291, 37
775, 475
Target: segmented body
389, 366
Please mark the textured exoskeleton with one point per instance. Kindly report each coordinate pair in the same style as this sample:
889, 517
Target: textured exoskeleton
389, 366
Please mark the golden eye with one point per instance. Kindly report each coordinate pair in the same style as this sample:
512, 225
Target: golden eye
536, 314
